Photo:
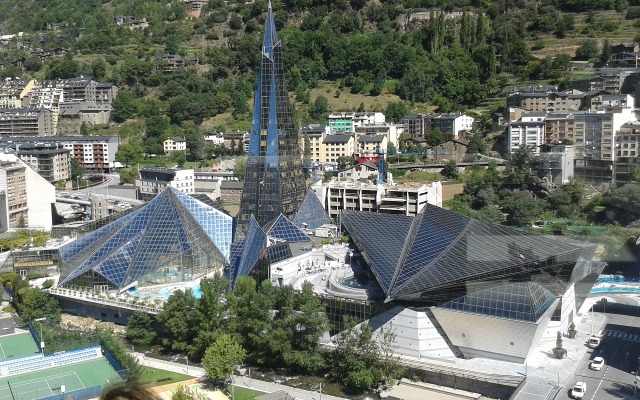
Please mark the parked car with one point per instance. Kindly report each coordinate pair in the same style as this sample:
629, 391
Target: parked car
597, 364
594, 341
578, 390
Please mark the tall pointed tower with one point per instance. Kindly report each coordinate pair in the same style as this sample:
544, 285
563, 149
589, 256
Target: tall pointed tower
274, 181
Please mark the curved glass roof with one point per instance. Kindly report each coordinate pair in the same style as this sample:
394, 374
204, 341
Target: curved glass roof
440, 251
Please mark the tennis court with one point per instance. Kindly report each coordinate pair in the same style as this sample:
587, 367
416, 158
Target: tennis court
17, 345
48, 382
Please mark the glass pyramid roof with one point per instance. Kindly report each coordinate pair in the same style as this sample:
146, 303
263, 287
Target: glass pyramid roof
283, 229
172, 229
439, 250
525, 301
311, 213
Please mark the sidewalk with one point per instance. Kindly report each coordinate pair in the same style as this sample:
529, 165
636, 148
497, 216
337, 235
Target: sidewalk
239, 381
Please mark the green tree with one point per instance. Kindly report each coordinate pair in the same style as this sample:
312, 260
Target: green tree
306, 153
63, 68
566, 200
450, 170
32, 64
34, 303
210, 313
124, 106
344, 162
318, 111
140, 330
434, 137
521, 208
195, 141
519, 165
605, 52
355, 360
476, 144
176, 318
634, 173
76, 169
396, 111
98, 68
221, 358
587, 50
130, 153
240, 168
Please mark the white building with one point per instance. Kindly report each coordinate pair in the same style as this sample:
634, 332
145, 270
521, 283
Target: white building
26, 198
214, 138
153, 180
528, 130
174, 143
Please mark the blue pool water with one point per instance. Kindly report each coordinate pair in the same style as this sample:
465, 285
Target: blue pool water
165, 293
352, 282
612, 289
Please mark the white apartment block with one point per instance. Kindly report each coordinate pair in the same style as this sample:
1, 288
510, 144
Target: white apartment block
174, 143
214, 138
528, 130
95, 153
26, 198
153, 180
387, 198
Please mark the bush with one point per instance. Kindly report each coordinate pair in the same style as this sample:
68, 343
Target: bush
47, 284
633, 12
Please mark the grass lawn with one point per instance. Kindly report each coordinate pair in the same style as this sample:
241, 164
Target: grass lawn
151, 376
242, 393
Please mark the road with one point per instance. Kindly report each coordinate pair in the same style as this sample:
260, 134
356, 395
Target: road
620, 349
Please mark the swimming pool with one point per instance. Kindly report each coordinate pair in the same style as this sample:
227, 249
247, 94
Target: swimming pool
352, 282
197, 293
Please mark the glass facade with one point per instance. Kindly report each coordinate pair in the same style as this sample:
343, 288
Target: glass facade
172, 238
284, 229
311, 213
439, 256
255, 243
274, 180
523, 301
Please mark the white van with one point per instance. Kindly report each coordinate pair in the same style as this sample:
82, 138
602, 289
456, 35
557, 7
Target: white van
593, 342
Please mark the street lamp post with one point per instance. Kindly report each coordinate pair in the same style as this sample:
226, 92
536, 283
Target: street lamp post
41, 333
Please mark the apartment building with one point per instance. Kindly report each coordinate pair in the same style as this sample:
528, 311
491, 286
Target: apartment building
50, 160
391, 131
390, 199
417, 126
371, 145
13, 91
555, 163
336, 146
194, 7
26, 122
609, 79
316, 134
153, 181
26, 198
214, 138
528, 130
594, 133
95, 153
627, 150
348, 121
174, 143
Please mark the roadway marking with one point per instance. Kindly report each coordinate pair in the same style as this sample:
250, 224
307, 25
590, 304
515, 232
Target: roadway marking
600, 384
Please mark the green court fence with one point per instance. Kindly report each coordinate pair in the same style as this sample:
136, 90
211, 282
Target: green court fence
122, 373
80, 394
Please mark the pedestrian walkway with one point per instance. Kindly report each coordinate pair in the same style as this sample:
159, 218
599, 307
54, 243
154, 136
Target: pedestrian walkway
239, 381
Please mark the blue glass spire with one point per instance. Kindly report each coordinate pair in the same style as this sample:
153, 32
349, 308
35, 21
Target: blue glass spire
274, 181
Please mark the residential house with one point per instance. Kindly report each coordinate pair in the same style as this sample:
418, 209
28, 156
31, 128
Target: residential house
371, 146
194, 7
236, 140
174, 143
451, 150
609, 79
528, 130
453, 126
231, 191
50, 160
391, 131
214, 138
417, 125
